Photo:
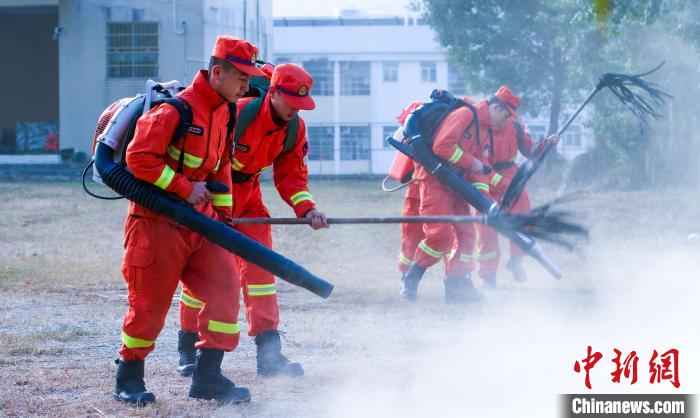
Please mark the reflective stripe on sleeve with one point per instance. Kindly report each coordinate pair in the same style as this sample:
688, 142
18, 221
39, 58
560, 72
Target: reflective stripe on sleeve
300, 197
166, 177
222, 199
481, 186
189, 160
236, 165
457, 155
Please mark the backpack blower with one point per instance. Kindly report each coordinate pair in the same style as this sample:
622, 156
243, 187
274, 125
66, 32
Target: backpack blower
115, 129
419, 128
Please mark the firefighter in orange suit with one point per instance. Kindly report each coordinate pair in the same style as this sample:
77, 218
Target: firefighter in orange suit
261, 146
159, 253
411, 233
457, 142
500, 148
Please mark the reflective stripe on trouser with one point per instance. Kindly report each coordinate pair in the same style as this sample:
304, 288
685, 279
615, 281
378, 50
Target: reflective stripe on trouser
487, 253
192, 305
439, 239
257, 284
152, 273
461, 259
259, 289
411, 233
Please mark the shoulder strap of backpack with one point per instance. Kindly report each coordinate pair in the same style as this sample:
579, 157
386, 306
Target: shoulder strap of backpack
290, 140
246, 116
249, 112
520, 136
475, 120
185, 112
231, 125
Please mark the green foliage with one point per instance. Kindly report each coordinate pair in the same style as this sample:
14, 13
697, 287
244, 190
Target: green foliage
530, 45
552, 53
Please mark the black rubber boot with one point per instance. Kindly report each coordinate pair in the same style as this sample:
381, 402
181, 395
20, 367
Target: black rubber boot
409, 282
185, 346
515, 265
490, 280
460, 289
130, 387
209, 383
271, 362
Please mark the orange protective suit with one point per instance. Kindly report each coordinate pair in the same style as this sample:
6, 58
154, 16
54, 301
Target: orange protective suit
411, 233
455, 141
259, 148
159, 253
500, 148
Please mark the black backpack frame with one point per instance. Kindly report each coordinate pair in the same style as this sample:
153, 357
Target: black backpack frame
430, 114
184, 110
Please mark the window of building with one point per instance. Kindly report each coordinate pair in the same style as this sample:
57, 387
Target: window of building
137, 14
388, 130
456, 81
354, 143
354, 78
132, 49
321, 70
428, 71
572, 137
390, 71
320, 143
538, 132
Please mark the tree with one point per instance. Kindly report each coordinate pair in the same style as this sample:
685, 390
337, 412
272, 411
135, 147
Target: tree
537, 47
641, 34
552, 52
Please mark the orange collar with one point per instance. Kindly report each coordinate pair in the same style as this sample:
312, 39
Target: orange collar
205, 92
482, 112
266, 119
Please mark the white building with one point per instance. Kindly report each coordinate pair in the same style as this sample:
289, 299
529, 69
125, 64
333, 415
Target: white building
69, 59
366, 69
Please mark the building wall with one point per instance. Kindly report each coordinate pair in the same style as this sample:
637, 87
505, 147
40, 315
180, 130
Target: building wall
409, 44
248, 19
406, 45
27, 3
85, 88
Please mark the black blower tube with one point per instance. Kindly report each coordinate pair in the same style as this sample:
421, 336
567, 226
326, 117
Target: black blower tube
450, 178
119, 179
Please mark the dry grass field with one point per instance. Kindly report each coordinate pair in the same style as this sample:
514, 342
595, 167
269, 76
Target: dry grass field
635, 286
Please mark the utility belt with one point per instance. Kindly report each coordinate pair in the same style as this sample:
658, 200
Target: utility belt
502, 165
238, 177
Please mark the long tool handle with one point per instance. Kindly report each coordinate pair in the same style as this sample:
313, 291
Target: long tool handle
369, 220
580, 108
